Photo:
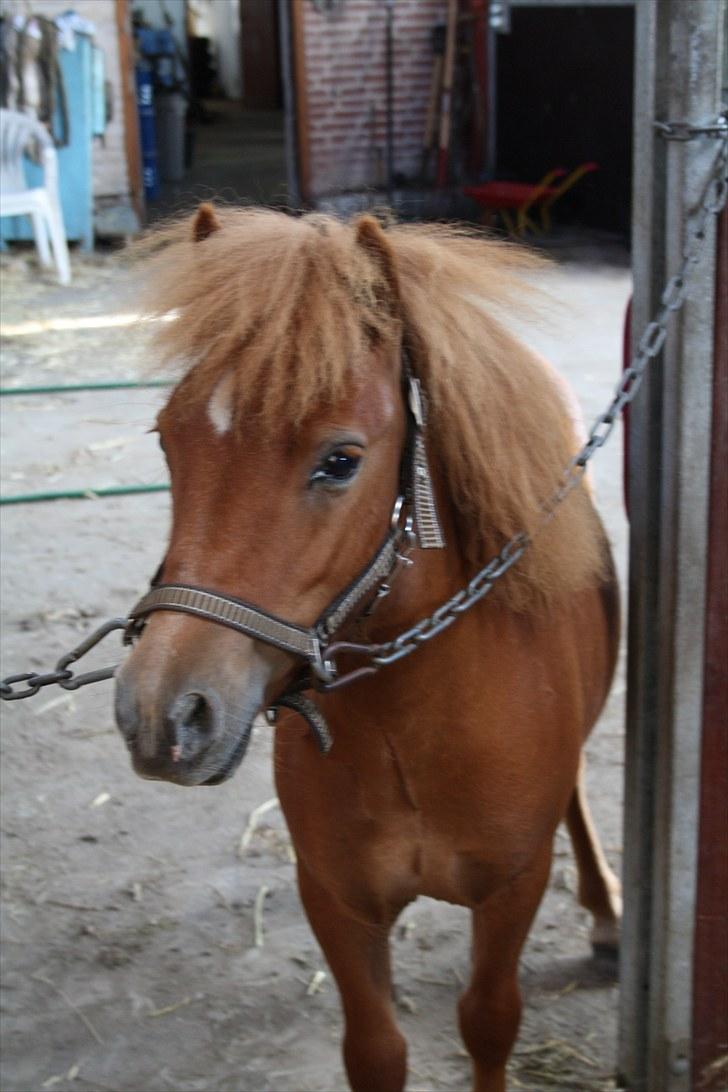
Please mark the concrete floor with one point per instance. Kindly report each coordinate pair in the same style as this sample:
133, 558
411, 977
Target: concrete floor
238, 158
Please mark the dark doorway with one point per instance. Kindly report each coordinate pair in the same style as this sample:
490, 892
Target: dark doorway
564, 97
260, 46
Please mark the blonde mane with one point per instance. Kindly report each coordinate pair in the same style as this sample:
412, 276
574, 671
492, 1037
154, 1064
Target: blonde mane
290, 306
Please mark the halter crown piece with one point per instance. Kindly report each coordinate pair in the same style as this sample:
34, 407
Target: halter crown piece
414, 522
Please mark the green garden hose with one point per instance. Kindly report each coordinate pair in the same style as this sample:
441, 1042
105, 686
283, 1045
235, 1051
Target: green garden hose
86, 494
83, 494
112, 385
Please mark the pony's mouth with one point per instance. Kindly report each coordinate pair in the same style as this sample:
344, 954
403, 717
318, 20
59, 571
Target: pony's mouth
233, 760
187, 774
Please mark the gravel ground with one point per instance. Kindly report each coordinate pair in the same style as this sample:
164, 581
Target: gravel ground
130, 960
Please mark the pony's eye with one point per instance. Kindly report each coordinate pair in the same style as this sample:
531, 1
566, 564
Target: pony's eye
338, 468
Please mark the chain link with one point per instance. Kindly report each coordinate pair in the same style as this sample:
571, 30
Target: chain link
712, 202
62, 675
682, 131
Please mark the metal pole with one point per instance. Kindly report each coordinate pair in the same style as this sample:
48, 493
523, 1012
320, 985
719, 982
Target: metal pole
648, 268
389, 68
289, 103
678, 55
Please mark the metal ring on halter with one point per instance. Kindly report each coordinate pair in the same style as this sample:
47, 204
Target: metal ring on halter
407, 530
396, 513
324, 669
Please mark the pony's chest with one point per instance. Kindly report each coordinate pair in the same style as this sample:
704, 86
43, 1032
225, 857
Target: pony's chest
380, 838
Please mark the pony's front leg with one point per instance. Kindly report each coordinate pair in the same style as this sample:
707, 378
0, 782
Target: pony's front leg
490, 1008
375, 1052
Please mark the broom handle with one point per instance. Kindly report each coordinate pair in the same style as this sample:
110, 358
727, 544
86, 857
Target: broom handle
446, 102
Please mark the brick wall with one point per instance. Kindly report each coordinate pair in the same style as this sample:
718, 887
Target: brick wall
346, 90
110, 180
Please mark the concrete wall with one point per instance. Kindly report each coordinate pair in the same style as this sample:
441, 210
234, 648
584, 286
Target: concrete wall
227, 43
219, 20
110, 179
345, 78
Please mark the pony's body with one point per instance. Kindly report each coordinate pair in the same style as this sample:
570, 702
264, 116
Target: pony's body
458, 813
451, 769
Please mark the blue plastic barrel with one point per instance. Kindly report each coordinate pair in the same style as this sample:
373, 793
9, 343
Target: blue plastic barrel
147, 132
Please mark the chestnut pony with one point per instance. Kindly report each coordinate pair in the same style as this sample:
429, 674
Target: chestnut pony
286, 439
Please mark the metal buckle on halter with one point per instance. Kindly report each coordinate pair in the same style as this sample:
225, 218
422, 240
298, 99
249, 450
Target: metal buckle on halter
406, 529
405, 541
416, 404
323, 668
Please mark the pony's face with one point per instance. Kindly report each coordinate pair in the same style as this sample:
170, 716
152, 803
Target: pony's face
283, 518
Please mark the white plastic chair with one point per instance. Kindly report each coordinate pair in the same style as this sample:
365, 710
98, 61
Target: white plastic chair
17, 133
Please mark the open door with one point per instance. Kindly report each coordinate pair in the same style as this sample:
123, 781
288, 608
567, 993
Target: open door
260, 46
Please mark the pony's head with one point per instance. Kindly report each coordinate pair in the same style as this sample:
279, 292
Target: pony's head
285, 437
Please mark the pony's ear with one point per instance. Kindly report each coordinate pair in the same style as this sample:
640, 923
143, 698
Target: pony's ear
204, 223
370, 236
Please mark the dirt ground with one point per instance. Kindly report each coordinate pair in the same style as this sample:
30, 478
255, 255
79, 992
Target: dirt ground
130, 907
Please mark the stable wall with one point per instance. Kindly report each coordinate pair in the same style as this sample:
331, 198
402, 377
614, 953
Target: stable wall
345, 81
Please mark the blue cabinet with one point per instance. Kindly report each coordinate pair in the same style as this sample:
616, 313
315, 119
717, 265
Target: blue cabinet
82, 69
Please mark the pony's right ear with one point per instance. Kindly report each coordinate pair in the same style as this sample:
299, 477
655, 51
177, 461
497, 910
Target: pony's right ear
204, 223
371, 237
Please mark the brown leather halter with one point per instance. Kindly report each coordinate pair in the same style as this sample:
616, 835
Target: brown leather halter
414, 521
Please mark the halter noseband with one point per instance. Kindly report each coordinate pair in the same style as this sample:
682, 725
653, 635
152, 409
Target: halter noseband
414, 521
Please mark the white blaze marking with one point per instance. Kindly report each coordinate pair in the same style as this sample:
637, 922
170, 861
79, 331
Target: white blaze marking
220, 406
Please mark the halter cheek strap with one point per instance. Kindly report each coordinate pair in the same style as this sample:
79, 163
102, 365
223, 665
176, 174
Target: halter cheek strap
427, 522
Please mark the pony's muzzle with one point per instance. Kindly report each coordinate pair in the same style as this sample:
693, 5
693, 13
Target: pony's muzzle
169, 743
186, 697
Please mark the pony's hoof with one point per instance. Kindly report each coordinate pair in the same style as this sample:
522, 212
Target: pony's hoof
605, 938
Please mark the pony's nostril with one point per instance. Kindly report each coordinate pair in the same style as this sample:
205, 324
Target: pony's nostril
194, 712
189, 725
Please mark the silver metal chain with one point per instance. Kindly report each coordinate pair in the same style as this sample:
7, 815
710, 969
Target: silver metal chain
711, 203
33, 681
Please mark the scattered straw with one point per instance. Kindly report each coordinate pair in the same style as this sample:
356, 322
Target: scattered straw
82, 1017
567, 989
65, 699
70, 905
167, 1009
316, 983
258, 938
557, 1046
253, 820
555, 1064
222, 898
69, 1076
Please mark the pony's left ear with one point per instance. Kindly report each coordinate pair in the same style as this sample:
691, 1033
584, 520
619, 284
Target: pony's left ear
205, 222
371, 237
